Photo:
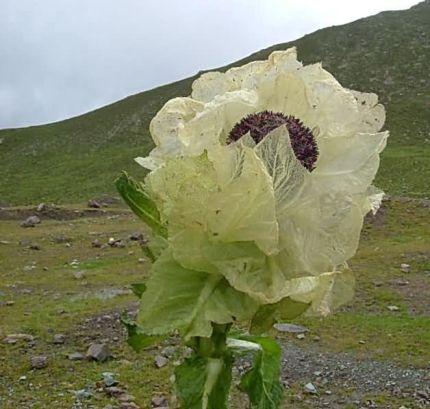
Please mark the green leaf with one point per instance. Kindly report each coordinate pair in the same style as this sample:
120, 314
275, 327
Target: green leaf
284, 310
155, 246
262, 382
138, 289
189, 300
243, 264
142, 205
137, 339
204, 383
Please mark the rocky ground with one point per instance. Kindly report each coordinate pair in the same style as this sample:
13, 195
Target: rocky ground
64, 284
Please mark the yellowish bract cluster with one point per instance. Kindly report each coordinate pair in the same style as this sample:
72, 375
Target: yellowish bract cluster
248, 225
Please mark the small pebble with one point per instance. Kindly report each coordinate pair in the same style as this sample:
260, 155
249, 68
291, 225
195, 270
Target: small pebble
99, 352
310, 388
84, 394
59, 339
76, 356
114, 391
160, 361
126, 398
159, 401
129, 405
109, 379
79, 275
291, 328
38, 362
406, 268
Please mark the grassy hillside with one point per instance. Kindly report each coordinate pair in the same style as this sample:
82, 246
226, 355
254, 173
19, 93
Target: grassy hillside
388, 53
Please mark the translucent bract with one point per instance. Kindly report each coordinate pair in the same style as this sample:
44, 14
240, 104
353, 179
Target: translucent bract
248, 225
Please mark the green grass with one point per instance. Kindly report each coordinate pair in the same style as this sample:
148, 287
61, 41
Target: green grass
76, 159
60, 303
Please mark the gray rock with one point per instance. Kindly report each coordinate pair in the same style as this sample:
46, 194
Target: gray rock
129, 405
79, 275
109, 379
159, 402
38, 362
402, 283
59, 339
84, 394
41, 207
168, 351
99, 352
60, 239
160, 361
406, 268
94, 204
14, 338
30, 221
76, 356
114, 391
310, 388
96, 243
291, 328
126, 398
136, 236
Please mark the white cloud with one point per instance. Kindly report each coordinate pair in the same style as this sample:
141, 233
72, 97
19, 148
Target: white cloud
60, 58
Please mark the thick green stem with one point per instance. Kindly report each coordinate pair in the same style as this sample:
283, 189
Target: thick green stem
216, 345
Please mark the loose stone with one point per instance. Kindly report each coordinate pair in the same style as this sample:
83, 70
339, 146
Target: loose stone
160, 361
99, 352
39, 362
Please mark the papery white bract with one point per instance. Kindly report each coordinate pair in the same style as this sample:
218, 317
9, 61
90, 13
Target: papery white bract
247, 222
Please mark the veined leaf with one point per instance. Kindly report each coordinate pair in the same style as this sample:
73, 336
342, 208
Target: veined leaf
268, 314
262, 382
141, 204
137, 339
138, 289
204, 383
189, 300
154, 247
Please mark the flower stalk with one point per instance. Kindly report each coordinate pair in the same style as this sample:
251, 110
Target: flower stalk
258, 187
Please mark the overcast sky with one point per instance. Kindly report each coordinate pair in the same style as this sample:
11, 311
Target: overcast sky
61, 58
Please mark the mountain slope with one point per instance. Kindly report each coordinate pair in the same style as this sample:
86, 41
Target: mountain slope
388, 54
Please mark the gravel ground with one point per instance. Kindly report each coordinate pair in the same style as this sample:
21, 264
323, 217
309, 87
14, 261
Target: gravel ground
329, 372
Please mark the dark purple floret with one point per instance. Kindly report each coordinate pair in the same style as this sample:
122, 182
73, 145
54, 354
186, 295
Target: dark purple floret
262, 123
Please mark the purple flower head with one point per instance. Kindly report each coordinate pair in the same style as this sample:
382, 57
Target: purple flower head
262, 123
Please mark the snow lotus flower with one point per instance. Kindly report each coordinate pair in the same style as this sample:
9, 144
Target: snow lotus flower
258, 186
257, 190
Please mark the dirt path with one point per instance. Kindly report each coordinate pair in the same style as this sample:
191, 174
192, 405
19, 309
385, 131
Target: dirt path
330, 372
